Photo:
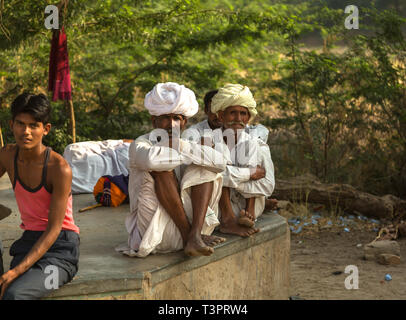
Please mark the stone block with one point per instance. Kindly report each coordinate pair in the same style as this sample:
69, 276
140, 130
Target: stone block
375, 248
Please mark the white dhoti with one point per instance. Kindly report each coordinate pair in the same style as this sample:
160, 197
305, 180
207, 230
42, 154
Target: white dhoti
238, 176
238, 203
151, 229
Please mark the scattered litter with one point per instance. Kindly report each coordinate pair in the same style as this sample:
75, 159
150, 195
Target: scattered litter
316, 216
359, 245
297, 222
299, 229
374, 221
346, 230
291, 228
341, 218
292, 220
329, 223
300, 242
336, 273
314, 221
275, 211
306, 224
351, 217
388, 277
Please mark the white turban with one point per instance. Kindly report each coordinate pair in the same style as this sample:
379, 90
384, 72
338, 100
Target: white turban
234, 95
170, 97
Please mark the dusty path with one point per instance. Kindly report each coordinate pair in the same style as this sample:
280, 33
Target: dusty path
315, 257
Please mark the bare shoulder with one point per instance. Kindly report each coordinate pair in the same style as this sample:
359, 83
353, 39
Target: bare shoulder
7, 153
8, 149
58, 167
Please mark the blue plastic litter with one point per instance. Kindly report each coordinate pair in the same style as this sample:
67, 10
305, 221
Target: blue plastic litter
291, 220
314, 221
316, 216
341, 218
297, 222
298, 230
351, 217
291, 228
346, 230
388, 277
306, 223
275, 211
374, 221
329, 223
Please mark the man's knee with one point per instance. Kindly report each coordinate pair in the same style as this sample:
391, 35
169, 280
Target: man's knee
162, 174
205, 186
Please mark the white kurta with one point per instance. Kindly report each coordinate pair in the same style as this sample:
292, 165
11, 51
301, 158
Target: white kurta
150, 228
237, 175
256, 131
90, 160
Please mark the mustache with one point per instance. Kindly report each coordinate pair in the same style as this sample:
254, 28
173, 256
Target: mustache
236, 122
173, 130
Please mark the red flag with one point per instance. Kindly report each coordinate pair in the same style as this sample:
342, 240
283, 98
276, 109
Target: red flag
59, 77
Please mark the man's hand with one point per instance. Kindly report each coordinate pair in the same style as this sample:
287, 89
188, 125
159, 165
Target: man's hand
6, 279
257, 173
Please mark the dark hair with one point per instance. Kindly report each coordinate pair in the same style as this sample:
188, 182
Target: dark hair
36, 105
207, 98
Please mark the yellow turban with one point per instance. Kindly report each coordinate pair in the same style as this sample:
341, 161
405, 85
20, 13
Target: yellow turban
234, 95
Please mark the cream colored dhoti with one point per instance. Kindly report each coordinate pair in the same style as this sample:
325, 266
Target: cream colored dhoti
238, 203
152, 230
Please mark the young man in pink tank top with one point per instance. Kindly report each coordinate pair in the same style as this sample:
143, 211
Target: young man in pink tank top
41, 180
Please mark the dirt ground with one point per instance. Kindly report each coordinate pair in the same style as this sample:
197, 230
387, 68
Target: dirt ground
319, 258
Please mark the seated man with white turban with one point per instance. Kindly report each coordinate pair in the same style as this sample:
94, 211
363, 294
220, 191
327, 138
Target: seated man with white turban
250, 178
174, 184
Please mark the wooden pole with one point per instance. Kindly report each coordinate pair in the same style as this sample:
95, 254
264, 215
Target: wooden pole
72, 123
1, 138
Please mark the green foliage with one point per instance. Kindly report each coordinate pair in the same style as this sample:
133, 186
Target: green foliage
336, 106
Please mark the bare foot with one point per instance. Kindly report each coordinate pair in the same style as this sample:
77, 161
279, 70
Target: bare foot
232, 227
246, 219
212, 240
195, 246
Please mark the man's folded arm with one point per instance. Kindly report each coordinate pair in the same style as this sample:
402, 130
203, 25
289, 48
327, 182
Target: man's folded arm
204, 156
147, 157
264, 186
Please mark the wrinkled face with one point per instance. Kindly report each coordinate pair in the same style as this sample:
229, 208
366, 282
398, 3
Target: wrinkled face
169, 122
235, 117
27, 131
212, 118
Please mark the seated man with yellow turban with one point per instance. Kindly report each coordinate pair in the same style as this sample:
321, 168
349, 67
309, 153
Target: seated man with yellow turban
212, 122
249, 180
175, 184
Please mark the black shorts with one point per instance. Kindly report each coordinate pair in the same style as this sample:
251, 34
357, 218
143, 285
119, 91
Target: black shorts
64, 253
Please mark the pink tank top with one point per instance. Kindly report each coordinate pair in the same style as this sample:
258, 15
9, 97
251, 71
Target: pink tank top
34, 203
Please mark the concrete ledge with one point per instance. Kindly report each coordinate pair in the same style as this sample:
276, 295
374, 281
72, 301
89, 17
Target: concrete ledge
159, 276
241, 268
